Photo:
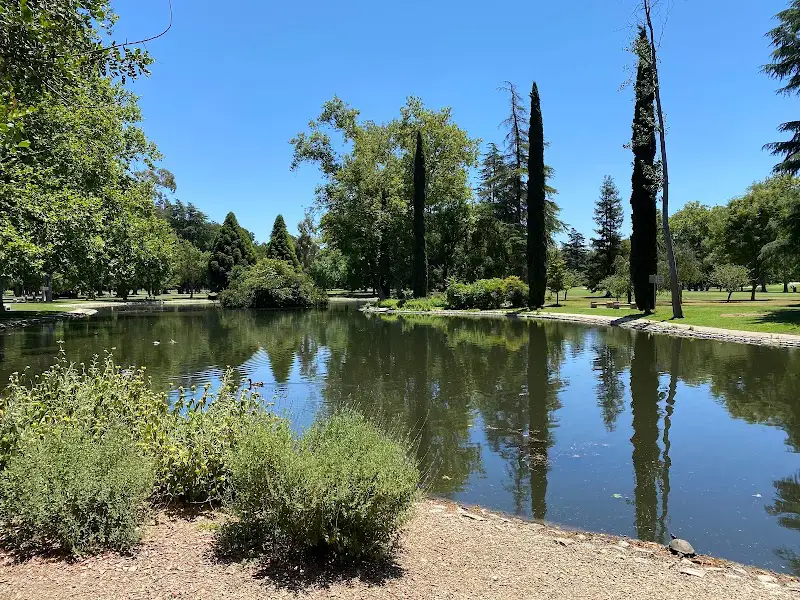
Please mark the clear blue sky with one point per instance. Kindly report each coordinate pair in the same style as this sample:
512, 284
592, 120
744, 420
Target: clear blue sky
233, 82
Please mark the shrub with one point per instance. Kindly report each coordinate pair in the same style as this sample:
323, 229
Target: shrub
486, 294
392, 303
75, 493
344, 487
424, 304
187, 441
271, 283
516, 292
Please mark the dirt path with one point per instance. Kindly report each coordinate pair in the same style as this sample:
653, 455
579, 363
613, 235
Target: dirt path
444, 554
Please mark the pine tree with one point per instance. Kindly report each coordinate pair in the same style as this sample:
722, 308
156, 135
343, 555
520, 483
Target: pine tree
281, 246
495, 188
575, 252
785, 66
644, 181
606, 246
420, 260
517, 144
537, 231
232, 247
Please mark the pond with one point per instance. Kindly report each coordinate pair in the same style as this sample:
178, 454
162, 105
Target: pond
602, 429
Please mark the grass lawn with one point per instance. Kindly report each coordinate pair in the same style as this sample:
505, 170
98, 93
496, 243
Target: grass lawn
30, 309
771, 312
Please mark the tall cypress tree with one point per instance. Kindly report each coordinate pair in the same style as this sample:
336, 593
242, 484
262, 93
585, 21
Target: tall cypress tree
420, 260
281, 246
537, 233
644, 184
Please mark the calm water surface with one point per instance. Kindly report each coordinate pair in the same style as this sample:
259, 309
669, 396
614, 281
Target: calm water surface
597, 428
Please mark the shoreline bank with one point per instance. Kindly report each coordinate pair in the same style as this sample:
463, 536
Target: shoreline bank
445, 552
780, 340
89, 308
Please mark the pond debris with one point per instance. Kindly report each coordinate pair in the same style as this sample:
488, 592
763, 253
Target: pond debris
756, 495
617, 496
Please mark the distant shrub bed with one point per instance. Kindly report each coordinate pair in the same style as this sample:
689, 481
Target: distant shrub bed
83, 448
271, 283
414, 304
343, 487
486, 294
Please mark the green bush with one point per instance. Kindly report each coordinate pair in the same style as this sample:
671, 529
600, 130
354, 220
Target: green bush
344, 487
424, 304
188, 441
73, 492
271, 283
516, 292
392, 303
487, 294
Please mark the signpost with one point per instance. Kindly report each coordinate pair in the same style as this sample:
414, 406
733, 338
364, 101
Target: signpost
656, 280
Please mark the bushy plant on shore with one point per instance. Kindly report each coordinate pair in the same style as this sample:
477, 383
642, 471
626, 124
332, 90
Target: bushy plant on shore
487, 294
343, 487
271, 283
186, 440
68, 490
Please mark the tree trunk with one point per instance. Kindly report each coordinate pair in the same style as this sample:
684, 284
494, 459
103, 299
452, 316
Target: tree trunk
729, 296
753, 291
48, 287
2, 293
677, 309
384, 289
763, 282
420, 260
785, 287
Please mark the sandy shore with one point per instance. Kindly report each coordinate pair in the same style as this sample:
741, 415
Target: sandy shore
782, 340
446, 552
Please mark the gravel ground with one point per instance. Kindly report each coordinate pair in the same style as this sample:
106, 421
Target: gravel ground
446, 552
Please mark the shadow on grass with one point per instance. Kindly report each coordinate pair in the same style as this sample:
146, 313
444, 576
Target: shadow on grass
781, 316
628, 319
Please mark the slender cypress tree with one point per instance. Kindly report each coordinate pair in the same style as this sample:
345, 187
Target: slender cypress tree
281, 246
420, 259
644, 184
537, 233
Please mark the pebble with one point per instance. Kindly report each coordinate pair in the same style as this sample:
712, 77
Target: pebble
765, 578
739, 570
623, 544
732, 576
581, 537
641, 561
564, 541
693, 572
495, 578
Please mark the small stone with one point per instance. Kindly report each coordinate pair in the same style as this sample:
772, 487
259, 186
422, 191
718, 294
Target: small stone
765, 578
641, 561
588, 546
564, 541
623, 544
686, 561
231, 569
581, 537
693, 572
770, 586
732, 576
132, 568
739, 570
795, 587
495, 578
470, 515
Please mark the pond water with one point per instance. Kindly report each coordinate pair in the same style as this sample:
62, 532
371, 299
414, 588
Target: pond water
595, 428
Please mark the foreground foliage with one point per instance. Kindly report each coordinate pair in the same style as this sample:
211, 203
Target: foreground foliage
187, 441
344, 488
72, 492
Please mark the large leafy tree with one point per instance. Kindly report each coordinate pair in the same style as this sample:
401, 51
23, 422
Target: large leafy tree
644, 181
232, 248
785, 66
537, 198
281, 246
748, 224
367, 194
607, 245
307, 247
